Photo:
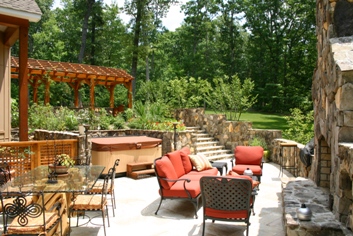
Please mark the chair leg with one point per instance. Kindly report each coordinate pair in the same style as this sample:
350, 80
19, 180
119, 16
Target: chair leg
203, 226
160, 203
114, 199
106, 208
196, 205
113, 202
103, 216
77, 216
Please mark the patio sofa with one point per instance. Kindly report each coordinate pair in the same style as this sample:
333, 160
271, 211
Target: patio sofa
179, 173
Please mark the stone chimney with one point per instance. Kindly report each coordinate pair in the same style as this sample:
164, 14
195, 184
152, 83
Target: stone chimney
332, 93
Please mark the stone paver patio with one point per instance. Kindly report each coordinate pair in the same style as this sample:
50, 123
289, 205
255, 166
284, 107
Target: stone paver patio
137, 201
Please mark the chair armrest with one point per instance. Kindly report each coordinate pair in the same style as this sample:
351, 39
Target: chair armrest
174, 180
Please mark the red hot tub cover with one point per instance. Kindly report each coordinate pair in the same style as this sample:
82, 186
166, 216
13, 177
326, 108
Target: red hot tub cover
124, 143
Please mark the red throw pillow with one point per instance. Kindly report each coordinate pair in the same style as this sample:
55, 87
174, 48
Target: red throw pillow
184, 153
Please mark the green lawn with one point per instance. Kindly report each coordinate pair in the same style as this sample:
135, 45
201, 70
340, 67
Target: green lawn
262, 120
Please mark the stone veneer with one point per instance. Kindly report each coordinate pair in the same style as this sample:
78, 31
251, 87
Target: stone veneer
332, 93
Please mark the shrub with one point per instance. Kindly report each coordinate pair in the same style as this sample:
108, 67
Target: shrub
301, 126
258, 141
15, 115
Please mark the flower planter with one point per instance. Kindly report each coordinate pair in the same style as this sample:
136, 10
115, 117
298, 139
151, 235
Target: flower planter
59, 169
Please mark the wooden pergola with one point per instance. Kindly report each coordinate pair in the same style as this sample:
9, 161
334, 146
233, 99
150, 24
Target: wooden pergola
42, 71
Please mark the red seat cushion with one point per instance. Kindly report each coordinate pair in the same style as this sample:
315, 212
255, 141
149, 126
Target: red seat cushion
175, 158
177, 190
239, 169
241, 214
165, 169
248, 155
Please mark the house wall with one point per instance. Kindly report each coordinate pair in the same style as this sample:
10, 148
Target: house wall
5, 92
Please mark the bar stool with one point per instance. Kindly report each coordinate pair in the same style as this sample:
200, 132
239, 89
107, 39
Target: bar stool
282, 163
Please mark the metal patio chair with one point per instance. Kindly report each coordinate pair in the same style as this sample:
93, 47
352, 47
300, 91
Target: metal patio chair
226, 199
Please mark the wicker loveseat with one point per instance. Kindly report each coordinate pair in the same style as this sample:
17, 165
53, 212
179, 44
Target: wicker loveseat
179, 178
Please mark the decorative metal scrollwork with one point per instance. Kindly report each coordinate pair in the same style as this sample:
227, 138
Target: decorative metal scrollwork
20, 208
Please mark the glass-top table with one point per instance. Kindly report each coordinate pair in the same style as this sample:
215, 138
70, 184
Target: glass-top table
77, 179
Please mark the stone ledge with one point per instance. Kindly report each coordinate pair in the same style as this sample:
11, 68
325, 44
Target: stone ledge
300, 190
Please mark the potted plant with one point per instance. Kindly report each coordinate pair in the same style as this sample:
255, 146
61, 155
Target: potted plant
62, 163
259, 141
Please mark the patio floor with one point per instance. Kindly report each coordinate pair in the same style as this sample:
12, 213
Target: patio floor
137, 200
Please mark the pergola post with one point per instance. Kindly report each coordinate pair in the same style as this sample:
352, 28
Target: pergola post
23, 83
129, 94
35, 86
111, 93
92, 85
47, 91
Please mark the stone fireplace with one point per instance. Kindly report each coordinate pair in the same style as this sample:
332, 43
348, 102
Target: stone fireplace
332, 93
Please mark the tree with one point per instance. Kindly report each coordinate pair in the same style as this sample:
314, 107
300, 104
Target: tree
281, 50
146, 17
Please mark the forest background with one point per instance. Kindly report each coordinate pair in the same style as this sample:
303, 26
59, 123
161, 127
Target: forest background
272, 44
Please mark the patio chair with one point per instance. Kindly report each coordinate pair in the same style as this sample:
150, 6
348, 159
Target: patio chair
91, 203
226, 199
98, 187
23, 216
248, 157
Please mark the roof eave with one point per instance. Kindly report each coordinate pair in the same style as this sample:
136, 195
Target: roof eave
32, 17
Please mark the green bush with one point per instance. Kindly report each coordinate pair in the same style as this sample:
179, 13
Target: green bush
258, 141
301, 126
15, 115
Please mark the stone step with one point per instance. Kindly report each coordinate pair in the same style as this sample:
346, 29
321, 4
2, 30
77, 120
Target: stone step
200, 135
209, 148
190, 128
206, 143
202, 139
215, 152
224, 157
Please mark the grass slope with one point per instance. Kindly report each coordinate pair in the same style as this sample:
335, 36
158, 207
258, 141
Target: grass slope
261, 120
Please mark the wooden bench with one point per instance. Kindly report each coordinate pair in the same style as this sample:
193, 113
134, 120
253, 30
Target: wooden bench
139, 169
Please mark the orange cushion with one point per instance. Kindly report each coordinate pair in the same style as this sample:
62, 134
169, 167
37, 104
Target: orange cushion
175, 158
241, 214
177, 190
239, 169
200, 162
165, 169
184, 153
248, 155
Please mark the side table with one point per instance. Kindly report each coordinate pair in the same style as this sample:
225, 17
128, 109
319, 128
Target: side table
220, 165
282, 162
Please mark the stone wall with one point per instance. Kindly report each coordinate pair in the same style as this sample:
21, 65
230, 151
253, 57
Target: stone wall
332, 93
228, 133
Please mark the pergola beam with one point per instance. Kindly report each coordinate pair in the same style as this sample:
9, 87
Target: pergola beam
75, 75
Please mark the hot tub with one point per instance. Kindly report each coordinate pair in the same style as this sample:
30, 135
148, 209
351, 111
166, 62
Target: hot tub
129, 149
